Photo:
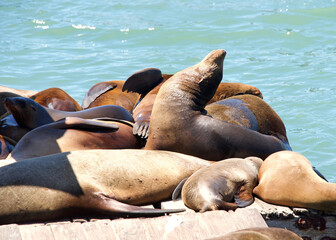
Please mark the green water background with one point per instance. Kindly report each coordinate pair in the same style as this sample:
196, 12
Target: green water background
285, 48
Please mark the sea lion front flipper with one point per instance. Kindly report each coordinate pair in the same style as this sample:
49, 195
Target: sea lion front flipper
96, 91
107, 205
141, 128
243, 197
177, 192
81, 123
143, 81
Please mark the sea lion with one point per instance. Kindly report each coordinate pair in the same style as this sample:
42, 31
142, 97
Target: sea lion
10, 129
251, 112
74, 133
30, 114
287, 178
148, 82
109, 93
269, 233
3, 96
56, 98
179, 122
215, 186
91, 182
23, 93
6, 146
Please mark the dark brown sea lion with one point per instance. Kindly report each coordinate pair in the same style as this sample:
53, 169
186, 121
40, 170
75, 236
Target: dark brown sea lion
287, 178
30, 114
73, 133
91, 183
179, 121
215, 187
6, 146
57, 99
3, 109
148, 82
251, 112
23, 93
270, 233
109, 93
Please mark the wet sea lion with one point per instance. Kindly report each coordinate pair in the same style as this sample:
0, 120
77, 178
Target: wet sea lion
23, 93
251, 112
287, 178
3, 96
148, 82
179, 122
30, 114
215, 186
269, 233
56, 98
91, 182
110, 93
74, 133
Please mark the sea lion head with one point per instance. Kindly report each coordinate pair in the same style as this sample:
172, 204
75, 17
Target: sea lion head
27, 113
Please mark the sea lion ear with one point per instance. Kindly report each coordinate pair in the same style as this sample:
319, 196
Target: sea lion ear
96, 91
143, 81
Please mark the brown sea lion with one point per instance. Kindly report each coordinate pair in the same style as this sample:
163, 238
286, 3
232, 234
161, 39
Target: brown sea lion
251, 112
90, 183
30, 114
148, 82
269, 233
6, 146
57, 99
73, 133
109, 93
179, 122
23, 93
287, 178
215, 187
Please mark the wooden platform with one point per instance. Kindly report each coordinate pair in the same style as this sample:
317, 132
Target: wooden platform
186, 225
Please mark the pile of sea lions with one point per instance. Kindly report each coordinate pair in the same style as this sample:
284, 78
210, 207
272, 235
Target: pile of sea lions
147, 139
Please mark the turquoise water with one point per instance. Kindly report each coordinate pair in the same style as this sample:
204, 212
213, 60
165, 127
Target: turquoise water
285, 48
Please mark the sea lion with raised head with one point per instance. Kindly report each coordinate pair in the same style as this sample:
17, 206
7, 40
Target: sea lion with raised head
269, 233
287, 178
30, 114
73, 133
110, 93
179, 122
56, 98
90, 183
251, 112
215, 187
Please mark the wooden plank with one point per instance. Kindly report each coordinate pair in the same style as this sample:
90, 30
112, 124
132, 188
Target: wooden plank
175, 205
36, 232
128, 229
68, 231
99, 229
10, 232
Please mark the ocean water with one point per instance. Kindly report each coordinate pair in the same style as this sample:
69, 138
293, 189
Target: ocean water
285, 48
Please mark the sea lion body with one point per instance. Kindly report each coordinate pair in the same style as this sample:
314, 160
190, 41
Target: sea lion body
251, 112
90, 182
71, 134
179, 122
21, 92
56, 98
216, 186
30, 114
110, 93
287, 178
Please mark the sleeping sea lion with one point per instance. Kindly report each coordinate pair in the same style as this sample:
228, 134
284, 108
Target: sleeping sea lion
110, 93
73, 133
91, 183
56, 98
215, 187
287, 178
179, 122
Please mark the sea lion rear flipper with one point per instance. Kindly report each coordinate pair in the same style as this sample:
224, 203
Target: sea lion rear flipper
96, 91
177, 192
319, 173
108, 205
80, 123
143, 81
